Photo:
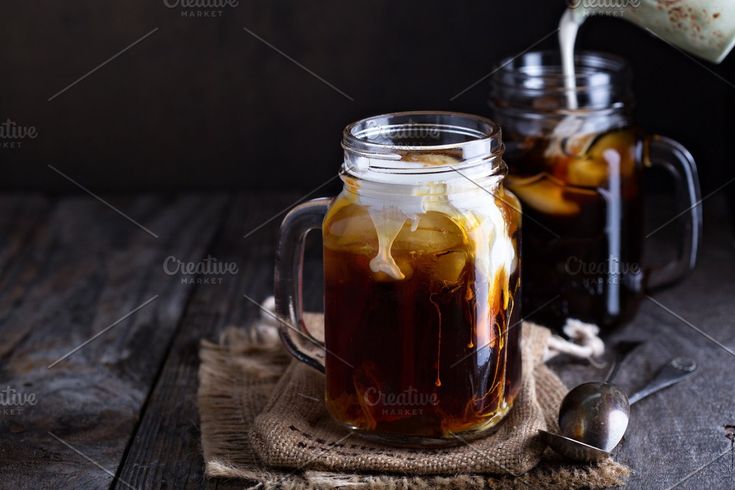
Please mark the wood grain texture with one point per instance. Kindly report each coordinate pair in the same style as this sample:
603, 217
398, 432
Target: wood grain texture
679, 431
87, 268
166, 450
72, 267
22, 218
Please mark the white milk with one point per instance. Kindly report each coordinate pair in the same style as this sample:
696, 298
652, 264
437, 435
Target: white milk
571, 125
568, 27
705, 28
456, 197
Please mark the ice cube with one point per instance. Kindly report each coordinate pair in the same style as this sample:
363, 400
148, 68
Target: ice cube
350, 228
624, 142
593, 170
546, 196
448, 266
587, 172
435, 233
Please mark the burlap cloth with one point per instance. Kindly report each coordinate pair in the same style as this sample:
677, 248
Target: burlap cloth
263, 419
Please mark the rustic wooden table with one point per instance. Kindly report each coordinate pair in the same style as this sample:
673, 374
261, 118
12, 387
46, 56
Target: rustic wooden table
100, 333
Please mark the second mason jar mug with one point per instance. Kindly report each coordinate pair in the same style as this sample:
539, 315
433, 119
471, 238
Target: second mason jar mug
579, 174
421, 272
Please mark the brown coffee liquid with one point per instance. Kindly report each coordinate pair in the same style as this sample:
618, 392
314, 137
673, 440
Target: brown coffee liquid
428, 355
582, 233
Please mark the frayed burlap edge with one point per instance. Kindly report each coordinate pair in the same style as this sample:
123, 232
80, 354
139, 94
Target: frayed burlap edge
236, 379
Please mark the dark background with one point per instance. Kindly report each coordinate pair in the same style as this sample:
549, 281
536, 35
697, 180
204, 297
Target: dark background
203, 104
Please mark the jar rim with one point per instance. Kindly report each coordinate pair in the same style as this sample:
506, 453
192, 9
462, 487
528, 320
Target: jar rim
360, 134
587, 64
385, 144
535, 82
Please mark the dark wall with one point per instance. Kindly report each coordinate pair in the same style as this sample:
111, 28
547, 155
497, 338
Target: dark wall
200, 103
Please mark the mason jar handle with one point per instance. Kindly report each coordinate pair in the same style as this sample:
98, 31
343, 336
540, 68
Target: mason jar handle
289, 281
668, 154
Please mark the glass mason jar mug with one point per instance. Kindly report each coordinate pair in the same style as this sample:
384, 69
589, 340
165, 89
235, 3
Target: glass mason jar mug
578, 173
421, 272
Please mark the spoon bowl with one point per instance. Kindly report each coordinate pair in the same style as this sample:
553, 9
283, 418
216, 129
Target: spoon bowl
595, 414
593, 417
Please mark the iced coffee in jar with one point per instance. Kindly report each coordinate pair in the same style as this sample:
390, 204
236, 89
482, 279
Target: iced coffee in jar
576, 161
421, 271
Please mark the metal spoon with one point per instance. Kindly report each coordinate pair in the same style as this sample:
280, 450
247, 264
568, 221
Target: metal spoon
593, 417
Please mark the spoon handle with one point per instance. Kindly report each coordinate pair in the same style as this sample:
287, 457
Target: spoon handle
673, 372
622, 351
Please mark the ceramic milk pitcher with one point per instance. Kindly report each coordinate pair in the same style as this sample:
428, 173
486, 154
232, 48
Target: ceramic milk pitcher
705, 28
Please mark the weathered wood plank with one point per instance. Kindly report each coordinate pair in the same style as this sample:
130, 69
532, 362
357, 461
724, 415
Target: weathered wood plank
82, 271
680, 430
166, 450
88, 269
671, 435
21, 218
